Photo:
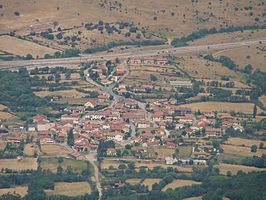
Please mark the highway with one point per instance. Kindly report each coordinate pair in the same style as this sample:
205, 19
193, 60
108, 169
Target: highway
187, 50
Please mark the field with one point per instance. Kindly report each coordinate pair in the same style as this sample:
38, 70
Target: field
54, 150
242, 151
161, 19
21, 190
244, 142
21, 47
185, 151
150, 181
254, 55
222, 107
15, 164
70, 189
30, 148
2, 145
6, 116
107, 163
2, 107
202, 69
133, 181
160, 152
52, 164
179, 183
63, 93
224, 168
263, 100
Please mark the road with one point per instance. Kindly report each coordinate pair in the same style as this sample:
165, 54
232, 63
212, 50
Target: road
92, 158
200, 49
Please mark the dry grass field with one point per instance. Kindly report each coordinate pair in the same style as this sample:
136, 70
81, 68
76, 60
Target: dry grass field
254, 55
185, 151
224, 168
222, 107
263, 100
2, 145
133, 181
160, 152
63, 93
160, 18
21, 47
230, 37
107, 163
53, 150
244, 142
150, 181
193, 198
179, 183
70, 189
15, 164
2, 107
202, 69
52, 164
242, 151
29, 149
21, 190
6, 116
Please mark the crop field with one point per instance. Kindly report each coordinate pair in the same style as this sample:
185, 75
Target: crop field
222, 107
180, 183
63, 93
160, 152
224, 168
21, 190
203, 69
150, 181
253, 55
242, 151
53, 150
133, 181
70, 189
21, 47
244, 142
15, 164
52, 164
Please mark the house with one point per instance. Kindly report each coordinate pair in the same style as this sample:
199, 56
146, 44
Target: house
111, 152
131, 104
157, 116
161, 61
72, 117
134, 61
213, 132
181, 84
170, 160
183, 111
90, 104
115, 136
75, 155
31, 128
143, 124
201, 154
120, 70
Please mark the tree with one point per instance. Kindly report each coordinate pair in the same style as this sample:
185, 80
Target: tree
29, 57
253, 148
254, 111
70, 138
261, 145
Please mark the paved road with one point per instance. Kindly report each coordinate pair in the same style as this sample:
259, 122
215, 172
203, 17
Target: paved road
200, 49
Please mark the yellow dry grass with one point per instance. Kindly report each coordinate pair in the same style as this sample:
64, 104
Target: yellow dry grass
150, 181
6, 116
2, 145
180, 183
2, 107
70, 189
224, 168
242, 151
21, 190
133, 181
54, 150
193, 198
244, 142
185, 151
21, 47
52, 164
203, 69
29, 149
254, 55
15, 164
169, 13
63, 93
263, 100
223, 107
